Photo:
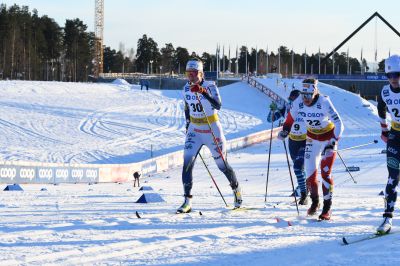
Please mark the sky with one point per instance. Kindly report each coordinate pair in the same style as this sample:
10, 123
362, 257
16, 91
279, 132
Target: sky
200, 25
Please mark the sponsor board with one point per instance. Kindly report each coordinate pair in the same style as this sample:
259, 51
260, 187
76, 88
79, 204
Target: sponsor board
39, 174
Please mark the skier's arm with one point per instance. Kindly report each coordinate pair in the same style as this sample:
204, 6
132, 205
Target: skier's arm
287, 125
335, 118
187, 115
382, 115
275, 113
212, 95
382, 111
293, 112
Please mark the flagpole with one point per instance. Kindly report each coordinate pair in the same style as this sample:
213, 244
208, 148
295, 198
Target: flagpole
279, 59
256, 72
267, 67
319, 61
292, 62
246, 63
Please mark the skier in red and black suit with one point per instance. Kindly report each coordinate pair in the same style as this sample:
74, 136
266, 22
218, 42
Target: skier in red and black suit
324, 128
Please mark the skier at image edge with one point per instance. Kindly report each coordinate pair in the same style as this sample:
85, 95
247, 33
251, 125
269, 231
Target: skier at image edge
297, 142
389, 100
324, 128
198, 131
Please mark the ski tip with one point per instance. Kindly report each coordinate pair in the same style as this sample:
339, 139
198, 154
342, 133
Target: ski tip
345, 241
289, 223
137, 215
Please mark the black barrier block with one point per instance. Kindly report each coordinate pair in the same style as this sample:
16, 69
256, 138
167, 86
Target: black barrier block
353, 168
383, 151
146, 188
150, 198
43, 189
14, 187
381, 193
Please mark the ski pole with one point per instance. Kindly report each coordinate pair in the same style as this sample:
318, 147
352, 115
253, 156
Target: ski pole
355, 182
291, 178
212, 178
212, 133
269, 158
357, 146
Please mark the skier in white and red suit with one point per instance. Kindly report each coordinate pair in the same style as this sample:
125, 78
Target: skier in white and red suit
324, 128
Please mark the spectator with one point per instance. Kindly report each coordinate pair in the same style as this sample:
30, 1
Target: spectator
136, 176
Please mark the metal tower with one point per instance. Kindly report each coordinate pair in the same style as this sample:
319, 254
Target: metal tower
376, 14
98, 31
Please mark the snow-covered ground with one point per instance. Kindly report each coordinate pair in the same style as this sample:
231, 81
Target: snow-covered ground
107, 123
81, 224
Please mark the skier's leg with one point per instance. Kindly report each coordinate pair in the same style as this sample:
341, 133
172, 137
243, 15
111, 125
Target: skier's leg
393, 166
393, 162
222, 162
327, 182
296, 149
312, 156
326, 169
192, 147
223, 166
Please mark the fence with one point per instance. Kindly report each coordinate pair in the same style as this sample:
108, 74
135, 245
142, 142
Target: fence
51, 173
267, 91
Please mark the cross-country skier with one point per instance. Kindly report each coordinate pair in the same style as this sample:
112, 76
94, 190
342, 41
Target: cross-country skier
202, 97
389, 100
324, 128
297, 143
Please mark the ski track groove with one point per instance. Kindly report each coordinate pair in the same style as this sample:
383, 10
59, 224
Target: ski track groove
133, 247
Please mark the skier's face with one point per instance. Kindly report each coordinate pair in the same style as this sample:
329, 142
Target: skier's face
308, 97
194, 76
394, 79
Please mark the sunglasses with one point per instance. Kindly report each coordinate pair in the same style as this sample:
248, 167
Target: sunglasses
307, 96
393, 75
192, 72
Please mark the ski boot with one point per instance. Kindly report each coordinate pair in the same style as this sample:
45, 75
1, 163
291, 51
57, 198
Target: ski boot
326, 210
386, 225
314, 206
237, 196
303, 198
186, 207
